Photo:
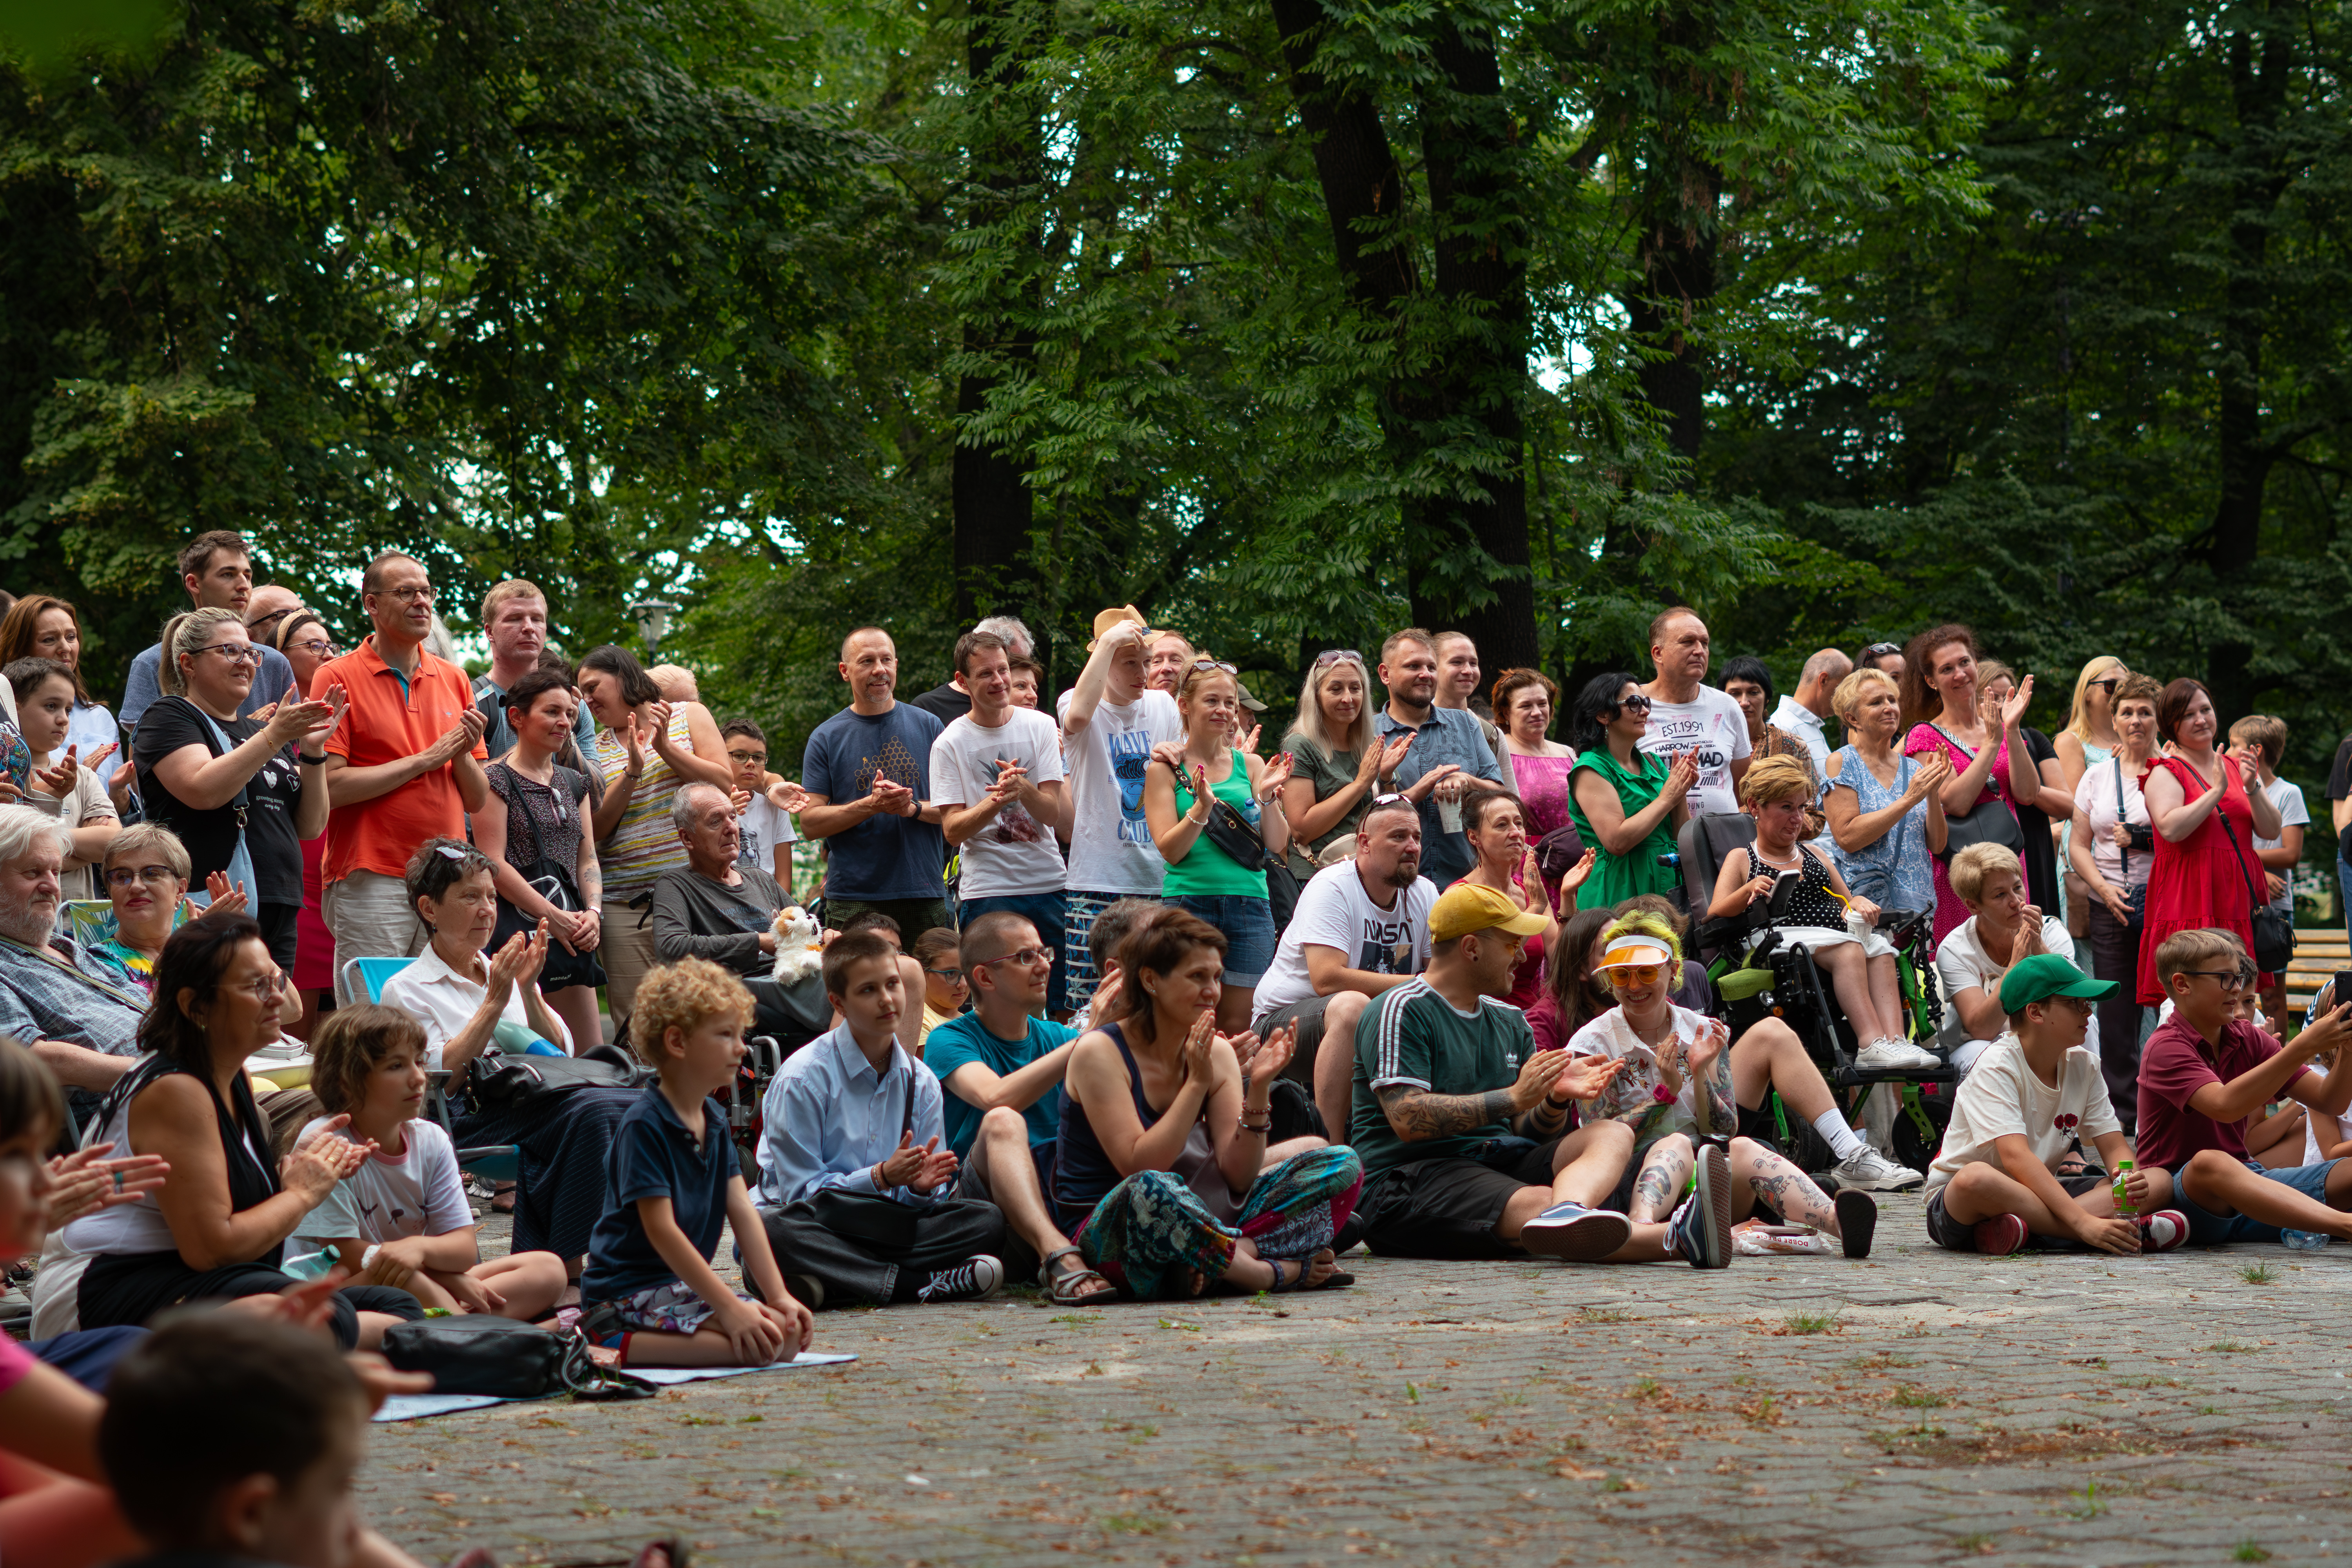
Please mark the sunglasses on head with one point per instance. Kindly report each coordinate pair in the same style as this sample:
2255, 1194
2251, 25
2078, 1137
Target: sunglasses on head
1881, 649
1199, 664
1331, 656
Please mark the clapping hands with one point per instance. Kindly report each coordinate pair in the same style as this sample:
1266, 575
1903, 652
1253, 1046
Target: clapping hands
921, 1167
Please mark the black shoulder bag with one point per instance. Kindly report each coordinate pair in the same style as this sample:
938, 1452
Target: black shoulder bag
1989, 821
554, 882
2274, 932
1230, 831
477, 1354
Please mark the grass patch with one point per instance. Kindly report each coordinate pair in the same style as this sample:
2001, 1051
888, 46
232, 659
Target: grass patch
1604, 1315
1980, 1542
1809, 1323
1920, 1398
1644, 1388
2250, 1552
1134, 1524
2087, 1505
2258, 1274
1075, 1318
1174, 1324
2230, 1347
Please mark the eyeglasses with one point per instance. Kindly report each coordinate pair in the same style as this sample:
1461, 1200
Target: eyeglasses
316, 647
261, 990
1627, 976
1331, 656
1881, 649
408, 595
2227, 979
761, 757
952, 977
274, 616
1027, 955
234, 653
154, 876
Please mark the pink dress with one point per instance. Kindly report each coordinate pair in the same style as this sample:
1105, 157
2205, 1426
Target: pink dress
1925, 739
314, 945
1543, 790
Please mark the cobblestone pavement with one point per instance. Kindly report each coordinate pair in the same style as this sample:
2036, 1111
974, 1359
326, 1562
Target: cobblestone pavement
1919, 1407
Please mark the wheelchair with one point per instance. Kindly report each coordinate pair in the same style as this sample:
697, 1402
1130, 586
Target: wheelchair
1778, 979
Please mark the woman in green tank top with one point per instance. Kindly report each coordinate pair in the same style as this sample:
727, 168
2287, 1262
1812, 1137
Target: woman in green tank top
1626, 806
1202, 877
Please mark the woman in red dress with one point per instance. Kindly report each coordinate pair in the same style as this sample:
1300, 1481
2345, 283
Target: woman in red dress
2199, 878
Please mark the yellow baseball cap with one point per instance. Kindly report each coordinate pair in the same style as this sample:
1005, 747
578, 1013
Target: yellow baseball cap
1466, 908
1106, 619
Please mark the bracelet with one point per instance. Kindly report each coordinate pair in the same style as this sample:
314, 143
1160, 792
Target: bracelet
317, 762
1260, 1128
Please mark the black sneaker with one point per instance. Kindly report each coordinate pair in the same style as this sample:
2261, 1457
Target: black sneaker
1857, 1217
976, 1279
1701, 1228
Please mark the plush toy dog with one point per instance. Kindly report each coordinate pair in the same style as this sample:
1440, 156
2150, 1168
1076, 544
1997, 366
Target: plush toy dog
798, 944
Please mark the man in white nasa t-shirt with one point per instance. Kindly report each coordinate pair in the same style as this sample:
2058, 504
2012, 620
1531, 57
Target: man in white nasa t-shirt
1686, 715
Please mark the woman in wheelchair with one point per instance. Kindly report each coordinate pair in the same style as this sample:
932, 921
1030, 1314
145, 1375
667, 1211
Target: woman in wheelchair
1678, 1087
1816, 909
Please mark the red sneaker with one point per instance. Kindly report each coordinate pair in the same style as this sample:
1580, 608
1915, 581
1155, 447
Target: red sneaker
2163, 1230
2000, 1236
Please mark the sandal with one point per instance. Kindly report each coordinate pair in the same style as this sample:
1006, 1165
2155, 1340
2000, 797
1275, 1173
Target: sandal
1062, 1289
1333, 1280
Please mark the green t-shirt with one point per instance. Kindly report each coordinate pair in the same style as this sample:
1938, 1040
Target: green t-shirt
1616, 877
964, 1041
1410, 1035
1330, 772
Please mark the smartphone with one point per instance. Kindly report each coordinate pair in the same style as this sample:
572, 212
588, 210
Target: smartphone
2343, 992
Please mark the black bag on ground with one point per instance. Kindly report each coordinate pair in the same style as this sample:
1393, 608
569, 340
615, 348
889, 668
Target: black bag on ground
477, 1354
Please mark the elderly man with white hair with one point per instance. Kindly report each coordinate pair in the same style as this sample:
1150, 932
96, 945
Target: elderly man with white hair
79, 1019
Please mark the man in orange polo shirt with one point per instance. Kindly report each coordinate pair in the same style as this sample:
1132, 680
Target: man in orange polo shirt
405, 765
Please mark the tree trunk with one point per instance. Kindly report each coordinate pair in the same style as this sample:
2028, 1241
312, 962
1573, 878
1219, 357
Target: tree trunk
1678, 275
989, 486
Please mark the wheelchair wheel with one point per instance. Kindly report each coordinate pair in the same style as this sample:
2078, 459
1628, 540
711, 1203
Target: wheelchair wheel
1914, 1146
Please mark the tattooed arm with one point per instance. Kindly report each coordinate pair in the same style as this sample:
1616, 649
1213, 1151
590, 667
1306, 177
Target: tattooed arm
1419, 1115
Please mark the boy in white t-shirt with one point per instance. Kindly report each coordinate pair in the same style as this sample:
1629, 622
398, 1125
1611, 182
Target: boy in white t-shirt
766, 822
996, 776
2033, 1093
401, 1218
1110, 722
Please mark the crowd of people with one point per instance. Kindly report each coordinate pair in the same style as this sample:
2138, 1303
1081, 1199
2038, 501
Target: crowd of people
1112, 990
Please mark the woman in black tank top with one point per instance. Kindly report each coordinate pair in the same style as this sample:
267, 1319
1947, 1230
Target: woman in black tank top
1163, 1177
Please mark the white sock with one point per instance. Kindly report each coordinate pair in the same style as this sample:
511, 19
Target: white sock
1844, 1140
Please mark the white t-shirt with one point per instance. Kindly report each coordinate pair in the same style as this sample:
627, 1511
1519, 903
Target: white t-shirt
1013, 853
2002, 1097
420, 1194
763, 828
2095, 797
1110, 843
2288, 798
1714, 727
1961, 963
1334, 910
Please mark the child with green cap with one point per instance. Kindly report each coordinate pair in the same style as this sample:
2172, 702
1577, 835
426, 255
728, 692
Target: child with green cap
2033, 1093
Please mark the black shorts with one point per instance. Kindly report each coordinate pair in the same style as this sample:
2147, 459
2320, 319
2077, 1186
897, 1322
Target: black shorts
1307, 1017
1448, 1207
1953, 1237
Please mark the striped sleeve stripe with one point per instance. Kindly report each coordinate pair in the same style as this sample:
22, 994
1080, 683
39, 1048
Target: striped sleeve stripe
1388, 1038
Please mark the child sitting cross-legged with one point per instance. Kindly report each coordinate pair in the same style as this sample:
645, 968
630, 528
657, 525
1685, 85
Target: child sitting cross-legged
401, 1218
2031, 1094
671, 1182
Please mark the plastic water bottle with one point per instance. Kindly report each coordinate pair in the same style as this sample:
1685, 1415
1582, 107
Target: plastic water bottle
2124, 1206
309, 1265
2304, 1240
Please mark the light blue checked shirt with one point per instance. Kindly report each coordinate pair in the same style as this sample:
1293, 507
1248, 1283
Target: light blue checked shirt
831, 1119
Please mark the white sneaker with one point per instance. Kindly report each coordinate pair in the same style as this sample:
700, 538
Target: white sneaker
1893, 1056
1869, 1171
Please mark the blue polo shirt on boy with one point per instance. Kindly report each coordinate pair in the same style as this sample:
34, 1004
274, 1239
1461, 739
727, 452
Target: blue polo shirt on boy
654, 1156
966, 1040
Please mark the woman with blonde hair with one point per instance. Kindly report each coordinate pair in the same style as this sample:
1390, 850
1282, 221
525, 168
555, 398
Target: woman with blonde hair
2089, 738
1678, 1087
1885, 809
1859, 966
1340, 763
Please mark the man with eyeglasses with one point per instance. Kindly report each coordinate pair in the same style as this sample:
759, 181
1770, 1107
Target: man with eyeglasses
1002, 1067
216, 570
1448, 761
717, 907
1111, 721
71, 1009
2206, 1072
405, 765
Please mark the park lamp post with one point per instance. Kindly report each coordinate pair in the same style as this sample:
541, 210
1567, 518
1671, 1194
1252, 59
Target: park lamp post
652, 622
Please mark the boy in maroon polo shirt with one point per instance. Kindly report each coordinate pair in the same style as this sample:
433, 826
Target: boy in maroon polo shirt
2206, 1071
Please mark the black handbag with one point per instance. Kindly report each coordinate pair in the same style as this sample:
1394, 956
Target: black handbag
1989, 821
552, 881
477, 1354
1231, 832
499, 1081
2274, 932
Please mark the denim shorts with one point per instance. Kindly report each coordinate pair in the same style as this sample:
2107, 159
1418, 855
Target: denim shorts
2207, 1228
1248, 925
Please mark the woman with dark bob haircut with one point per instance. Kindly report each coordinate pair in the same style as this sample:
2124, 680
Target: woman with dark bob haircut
1626, 803
217, 1225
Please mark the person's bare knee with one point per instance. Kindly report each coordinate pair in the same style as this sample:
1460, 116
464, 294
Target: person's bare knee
1522, 1207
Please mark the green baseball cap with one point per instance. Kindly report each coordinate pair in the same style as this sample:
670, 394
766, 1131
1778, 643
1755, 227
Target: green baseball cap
2044, 975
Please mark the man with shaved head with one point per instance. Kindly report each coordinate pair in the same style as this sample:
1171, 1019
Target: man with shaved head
1800, 711
867, 773
1688, 715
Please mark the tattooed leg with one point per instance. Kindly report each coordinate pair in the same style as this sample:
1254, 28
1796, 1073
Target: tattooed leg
1665, 1172
1757, 1172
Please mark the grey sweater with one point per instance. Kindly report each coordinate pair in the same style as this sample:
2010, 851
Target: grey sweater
694, 916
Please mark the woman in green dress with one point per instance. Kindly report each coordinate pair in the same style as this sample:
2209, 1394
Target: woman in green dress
1626, 806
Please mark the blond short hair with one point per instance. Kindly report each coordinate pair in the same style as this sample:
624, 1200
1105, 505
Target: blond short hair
1657, 928
2195, 948
683, 997
1971, 866
512, 588
148, 838
1847, 701
1773, 779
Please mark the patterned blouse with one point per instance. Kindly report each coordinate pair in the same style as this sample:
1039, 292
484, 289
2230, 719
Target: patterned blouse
645, 844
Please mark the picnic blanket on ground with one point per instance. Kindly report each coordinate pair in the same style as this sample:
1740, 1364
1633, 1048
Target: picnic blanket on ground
420, 1407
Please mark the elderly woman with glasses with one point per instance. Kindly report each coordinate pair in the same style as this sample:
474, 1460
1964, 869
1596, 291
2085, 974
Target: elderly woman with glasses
146, 878
1338, 765
241, 793
1626, 804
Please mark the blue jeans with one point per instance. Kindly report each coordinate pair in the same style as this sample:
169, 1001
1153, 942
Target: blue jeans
2207, 1228
1046, 911
1248, 925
